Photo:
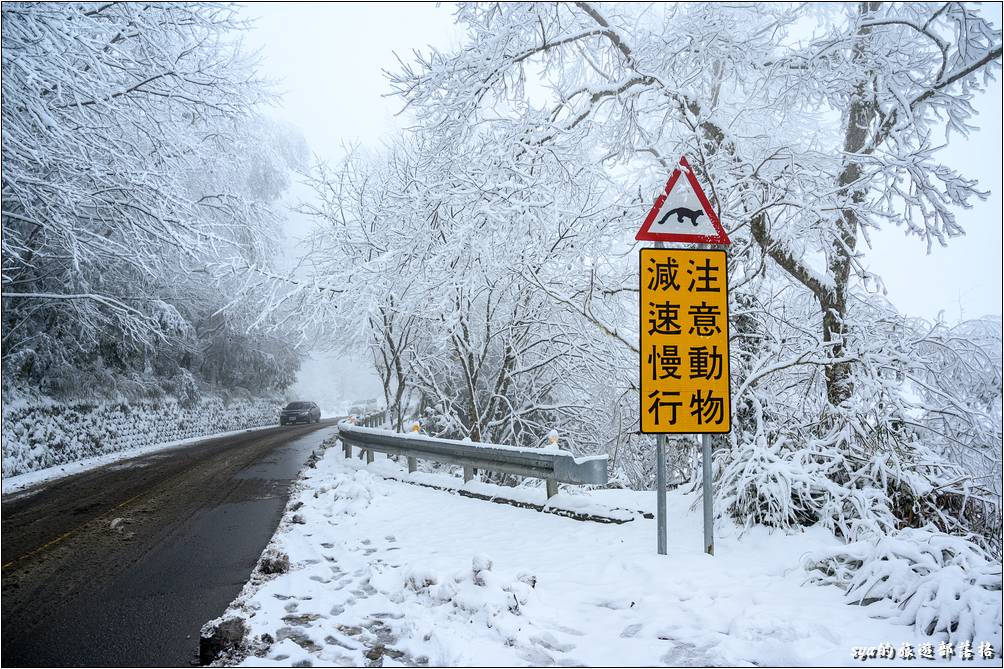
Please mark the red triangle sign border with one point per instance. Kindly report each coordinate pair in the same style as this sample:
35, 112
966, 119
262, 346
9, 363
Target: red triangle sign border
645, 234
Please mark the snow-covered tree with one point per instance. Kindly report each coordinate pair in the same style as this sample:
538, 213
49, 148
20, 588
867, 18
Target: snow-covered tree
442, 276
134, 160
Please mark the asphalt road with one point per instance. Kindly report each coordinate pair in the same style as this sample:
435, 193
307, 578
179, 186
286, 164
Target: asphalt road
121, 565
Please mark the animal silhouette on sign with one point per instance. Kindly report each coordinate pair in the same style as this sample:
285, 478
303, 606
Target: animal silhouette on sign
682, 213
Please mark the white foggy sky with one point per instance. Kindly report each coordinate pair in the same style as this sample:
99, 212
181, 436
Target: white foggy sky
328, 62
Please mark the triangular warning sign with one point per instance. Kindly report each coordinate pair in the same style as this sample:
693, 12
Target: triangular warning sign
682, 213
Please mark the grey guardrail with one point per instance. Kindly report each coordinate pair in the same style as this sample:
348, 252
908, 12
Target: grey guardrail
552, 466
373, 419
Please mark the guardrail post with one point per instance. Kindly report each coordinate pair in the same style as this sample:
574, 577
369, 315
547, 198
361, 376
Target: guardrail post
552, 485
468, 473
369, 456
346, 449
412, 462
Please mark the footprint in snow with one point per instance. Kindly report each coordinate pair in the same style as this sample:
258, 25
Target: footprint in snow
388, 616
297, 637
548, 641
363, 591
536, 657
685, 654
332, 641
631, 630
568, 630
302, 619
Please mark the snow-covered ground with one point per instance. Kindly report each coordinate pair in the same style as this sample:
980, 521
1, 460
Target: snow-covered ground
387, 571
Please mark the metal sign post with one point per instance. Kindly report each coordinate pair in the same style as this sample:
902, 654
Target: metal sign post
660, 492
660, 483
709, 498
684, 333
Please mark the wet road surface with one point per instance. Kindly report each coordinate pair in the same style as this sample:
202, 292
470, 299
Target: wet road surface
121, 565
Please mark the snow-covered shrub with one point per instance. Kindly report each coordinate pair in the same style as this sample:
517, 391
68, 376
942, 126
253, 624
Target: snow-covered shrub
946, 586
41, 434
896, 471
884, 459
782, 485
842, 485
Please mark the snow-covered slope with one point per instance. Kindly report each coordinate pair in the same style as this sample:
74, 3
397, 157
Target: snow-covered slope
383, 570
40, 435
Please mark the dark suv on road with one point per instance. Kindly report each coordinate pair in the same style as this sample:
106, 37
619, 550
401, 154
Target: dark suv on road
296, 412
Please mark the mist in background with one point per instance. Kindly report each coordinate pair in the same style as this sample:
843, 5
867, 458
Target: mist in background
328, 62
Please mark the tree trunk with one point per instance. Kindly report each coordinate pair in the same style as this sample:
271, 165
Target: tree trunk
861, 114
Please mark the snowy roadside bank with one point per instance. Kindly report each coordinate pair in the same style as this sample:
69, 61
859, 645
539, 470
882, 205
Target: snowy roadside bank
15, 484
41, 435
367, 570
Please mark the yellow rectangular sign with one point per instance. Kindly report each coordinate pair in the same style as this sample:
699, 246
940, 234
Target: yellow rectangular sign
684, 318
